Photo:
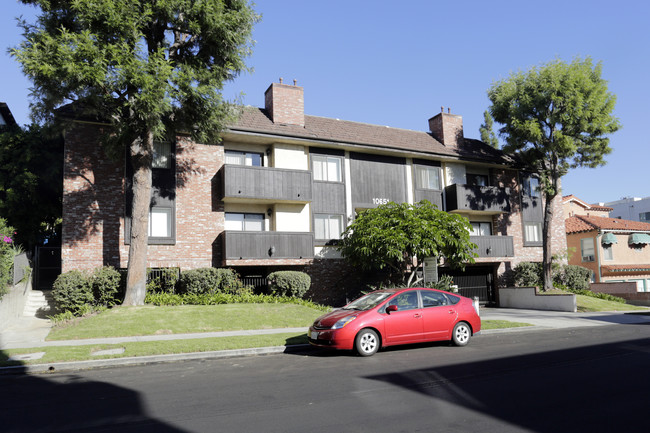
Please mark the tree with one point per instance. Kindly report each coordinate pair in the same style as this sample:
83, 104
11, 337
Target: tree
400, 236
555, 117
487, 134
149, 68
31, 165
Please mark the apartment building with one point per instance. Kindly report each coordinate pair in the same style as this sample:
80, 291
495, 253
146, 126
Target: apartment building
280, 188
631, 208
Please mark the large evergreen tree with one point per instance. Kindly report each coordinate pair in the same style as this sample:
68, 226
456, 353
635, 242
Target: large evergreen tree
487, 134
555, 117
150, 68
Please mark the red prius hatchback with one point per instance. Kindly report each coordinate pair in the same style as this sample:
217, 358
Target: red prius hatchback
397, 316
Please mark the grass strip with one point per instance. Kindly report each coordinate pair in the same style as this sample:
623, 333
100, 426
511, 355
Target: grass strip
152, 320
83, 353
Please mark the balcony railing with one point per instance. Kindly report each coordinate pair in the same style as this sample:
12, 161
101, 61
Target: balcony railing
493, 246
266, 183
268, 245
477, 198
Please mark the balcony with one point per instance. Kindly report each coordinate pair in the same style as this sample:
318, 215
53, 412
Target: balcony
493, 246
470, 198
268, 245
266, 184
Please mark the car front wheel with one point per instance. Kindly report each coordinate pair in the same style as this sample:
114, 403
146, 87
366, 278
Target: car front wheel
461, 334
367, 342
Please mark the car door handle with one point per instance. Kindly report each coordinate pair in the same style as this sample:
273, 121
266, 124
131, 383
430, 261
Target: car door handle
417, 315
451, 311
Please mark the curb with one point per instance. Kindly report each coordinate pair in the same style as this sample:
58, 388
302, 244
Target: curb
58, 367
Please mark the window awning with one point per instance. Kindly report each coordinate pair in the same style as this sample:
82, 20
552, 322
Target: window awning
639, 238
609, 238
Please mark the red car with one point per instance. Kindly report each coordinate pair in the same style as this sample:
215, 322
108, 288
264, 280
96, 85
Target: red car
397, 316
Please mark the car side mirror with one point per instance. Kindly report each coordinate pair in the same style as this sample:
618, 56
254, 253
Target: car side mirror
391, 308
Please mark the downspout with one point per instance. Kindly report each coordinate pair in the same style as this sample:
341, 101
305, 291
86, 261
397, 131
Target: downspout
598, 246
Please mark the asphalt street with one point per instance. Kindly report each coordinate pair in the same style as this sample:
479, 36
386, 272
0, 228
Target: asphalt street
553, 380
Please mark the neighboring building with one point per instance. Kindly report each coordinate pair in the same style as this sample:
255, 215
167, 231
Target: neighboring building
574, 206
6, 118
631, 208
615, 250
282, 186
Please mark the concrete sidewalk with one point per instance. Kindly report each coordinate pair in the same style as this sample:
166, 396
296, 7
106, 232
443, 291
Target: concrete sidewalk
31, 332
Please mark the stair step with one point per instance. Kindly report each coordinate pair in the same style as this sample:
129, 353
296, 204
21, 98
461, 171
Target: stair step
38, 301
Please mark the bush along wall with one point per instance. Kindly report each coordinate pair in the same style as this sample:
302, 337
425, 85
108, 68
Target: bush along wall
7, 253
289, 283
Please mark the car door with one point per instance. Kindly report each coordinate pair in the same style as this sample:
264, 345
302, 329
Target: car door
405, 324
438, 315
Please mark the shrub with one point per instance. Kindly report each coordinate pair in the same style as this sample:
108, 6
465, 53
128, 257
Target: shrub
528, 274
289, 283
6, 255
575, 277
209, 280
72, 291
106, 286
162, 280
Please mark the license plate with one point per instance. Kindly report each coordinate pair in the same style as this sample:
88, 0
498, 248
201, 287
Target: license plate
314, 335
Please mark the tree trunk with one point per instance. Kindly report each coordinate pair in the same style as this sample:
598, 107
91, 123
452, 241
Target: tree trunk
547, 260
136, 277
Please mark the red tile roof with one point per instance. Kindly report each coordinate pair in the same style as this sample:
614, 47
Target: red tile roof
571, 197
330, 130
583, 223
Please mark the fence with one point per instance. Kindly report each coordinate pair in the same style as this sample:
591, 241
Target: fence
258, 282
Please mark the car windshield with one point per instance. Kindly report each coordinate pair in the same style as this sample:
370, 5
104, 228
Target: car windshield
368, 301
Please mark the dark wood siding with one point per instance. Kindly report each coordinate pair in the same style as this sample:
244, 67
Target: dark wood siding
377, 179
493, 246
257, 245
477, 198
328, 197
266, 183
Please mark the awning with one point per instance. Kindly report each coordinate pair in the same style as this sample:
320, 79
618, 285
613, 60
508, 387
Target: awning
609, 238
639, 238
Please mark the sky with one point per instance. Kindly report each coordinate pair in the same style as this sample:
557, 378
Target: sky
396, 63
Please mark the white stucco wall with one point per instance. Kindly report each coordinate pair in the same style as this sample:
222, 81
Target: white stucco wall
292, 218
290, 156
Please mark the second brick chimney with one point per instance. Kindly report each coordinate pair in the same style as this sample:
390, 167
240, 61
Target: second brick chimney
285, 104
447, 128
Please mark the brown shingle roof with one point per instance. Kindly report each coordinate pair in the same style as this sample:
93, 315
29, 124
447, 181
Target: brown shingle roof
583, 223
343, 131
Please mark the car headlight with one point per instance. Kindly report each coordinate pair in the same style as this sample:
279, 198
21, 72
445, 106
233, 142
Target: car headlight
341, 323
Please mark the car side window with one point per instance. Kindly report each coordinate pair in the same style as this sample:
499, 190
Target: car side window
405, 301
433, 299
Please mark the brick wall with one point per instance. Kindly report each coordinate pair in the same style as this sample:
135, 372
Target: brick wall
93, 201
285, 104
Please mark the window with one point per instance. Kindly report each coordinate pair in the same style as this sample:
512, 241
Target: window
405, 301
587, 249
250, 222
481, 228
326, 168
162, 154
644, 217
433, 299
533, 232
531, 186
428, 177
608, 253
477, 179
243, 158
328, 226
160, 222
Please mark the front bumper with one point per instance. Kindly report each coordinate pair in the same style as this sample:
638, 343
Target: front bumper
332, 338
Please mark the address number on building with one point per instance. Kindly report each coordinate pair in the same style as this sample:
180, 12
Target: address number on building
380, 200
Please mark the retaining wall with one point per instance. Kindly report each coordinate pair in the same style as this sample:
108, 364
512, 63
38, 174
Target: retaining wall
527, 298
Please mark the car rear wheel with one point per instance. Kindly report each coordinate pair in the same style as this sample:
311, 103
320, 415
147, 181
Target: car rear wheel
367, 342
461, 334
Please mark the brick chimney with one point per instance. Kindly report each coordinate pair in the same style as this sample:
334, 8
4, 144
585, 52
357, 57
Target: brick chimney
285, 104
447, 128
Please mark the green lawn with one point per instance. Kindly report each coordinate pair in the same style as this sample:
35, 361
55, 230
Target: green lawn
150, 320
